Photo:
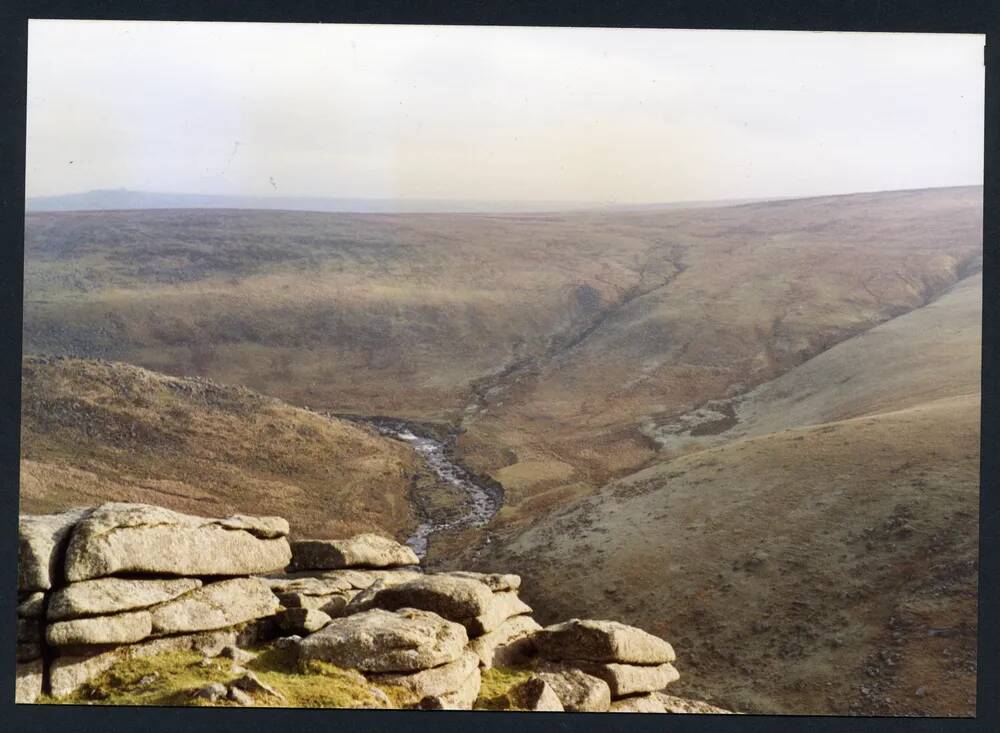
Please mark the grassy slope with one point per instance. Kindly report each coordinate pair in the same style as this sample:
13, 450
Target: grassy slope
809, 568
95, 431
603, 322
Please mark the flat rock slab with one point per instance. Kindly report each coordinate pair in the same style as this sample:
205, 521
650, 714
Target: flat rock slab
114, 595
638, 704
42, 540
381, 641
215, 606
494, 581
364, 550
511, 644
630, 679
302, 621
534, 694
461, 699
138, 538
28, 682
437, 681
577, 691
121, 628
456, 599
69, 671
602, 641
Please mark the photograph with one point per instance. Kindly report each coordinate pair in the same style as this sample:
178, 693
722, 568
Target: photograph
501, 368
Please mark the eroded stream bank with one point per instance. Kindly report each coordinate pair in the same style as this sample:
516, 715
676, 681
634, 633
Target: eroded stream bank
480, 498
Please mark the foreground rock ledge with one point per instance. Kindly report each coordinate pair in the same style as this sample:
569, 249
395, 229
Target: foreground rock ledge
121, 538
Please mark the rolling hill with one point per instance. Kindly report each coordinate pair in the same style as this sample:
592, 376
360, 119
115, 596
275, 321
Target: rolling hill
96, 431
818, 556
556, 342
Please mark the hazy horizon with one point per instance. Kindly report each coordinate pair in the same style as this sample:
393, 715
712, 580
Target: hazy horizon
497, 114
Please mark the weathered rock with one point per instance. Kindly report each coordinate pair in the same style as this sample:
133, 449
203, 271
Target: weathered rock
502, 606
364, 550
31, 605
456, 599
364, 600
77, 666
577, 691
332, 605
253, 684
302, 620
683, 706
121, 628
496, 582
114, 595
648, 703
240, 656
629, 679
215, 606
510, 644
212, 692
307, 585
42, 540
534, 694
461, 699
28, 682
380, 641
602, 641
331, 581
139, 538
239, 697
267, 528
437, 681
288, 643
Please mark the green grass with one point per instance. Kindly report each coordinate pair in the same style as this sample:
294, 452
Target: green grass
170, 678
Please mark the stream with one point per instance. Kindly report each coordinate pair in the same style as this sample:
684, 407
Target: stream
484, 500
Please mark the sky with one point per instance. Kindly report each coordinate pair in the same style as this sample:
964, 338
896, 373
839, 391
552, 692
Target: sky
497, 113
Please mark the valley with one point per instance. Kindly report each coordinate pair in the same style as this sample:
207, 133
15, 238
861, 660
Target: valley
753, 428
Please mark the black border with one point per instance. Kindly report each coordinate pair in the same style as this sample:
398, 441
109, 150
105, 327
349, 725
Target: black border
954, 16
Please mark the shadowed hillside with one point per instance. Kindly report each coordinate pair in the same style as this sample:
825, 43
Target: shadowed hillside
96, 431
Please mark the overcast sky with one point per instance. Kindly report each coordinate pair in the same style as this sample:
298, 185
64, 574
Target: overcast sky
488, 113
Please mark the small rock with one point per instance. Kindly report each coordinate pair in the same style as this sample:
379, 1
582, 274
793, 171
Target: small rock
252, 683
535, 694
240, 697
237, 655
212, 692
302, 620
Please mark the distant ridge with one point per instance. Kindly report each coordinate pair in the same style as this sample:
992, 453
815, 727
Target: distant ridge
119, 199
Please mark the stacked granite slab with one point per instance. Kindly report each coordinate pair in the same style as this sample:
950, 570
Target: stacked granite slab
42, 541
325, 576
135, 579
596, 666
416, 655
496, 620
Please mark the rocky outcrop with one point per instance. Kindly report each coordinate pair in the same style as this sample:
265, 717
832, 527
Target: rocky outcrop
629, 662
123, 581
409, 640
365, 550
119, 538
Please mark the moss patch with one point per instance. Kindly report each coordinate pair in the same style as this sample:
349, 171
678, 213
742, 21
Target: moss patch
168, 679
496, 684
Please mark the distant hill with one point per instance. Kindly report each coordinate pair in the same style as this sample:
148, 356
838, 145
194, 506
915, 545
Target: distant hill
125, 199
94, 431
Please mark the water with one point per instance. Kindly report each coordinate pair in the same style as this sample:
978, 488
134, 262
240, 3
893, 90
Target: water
483, 501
